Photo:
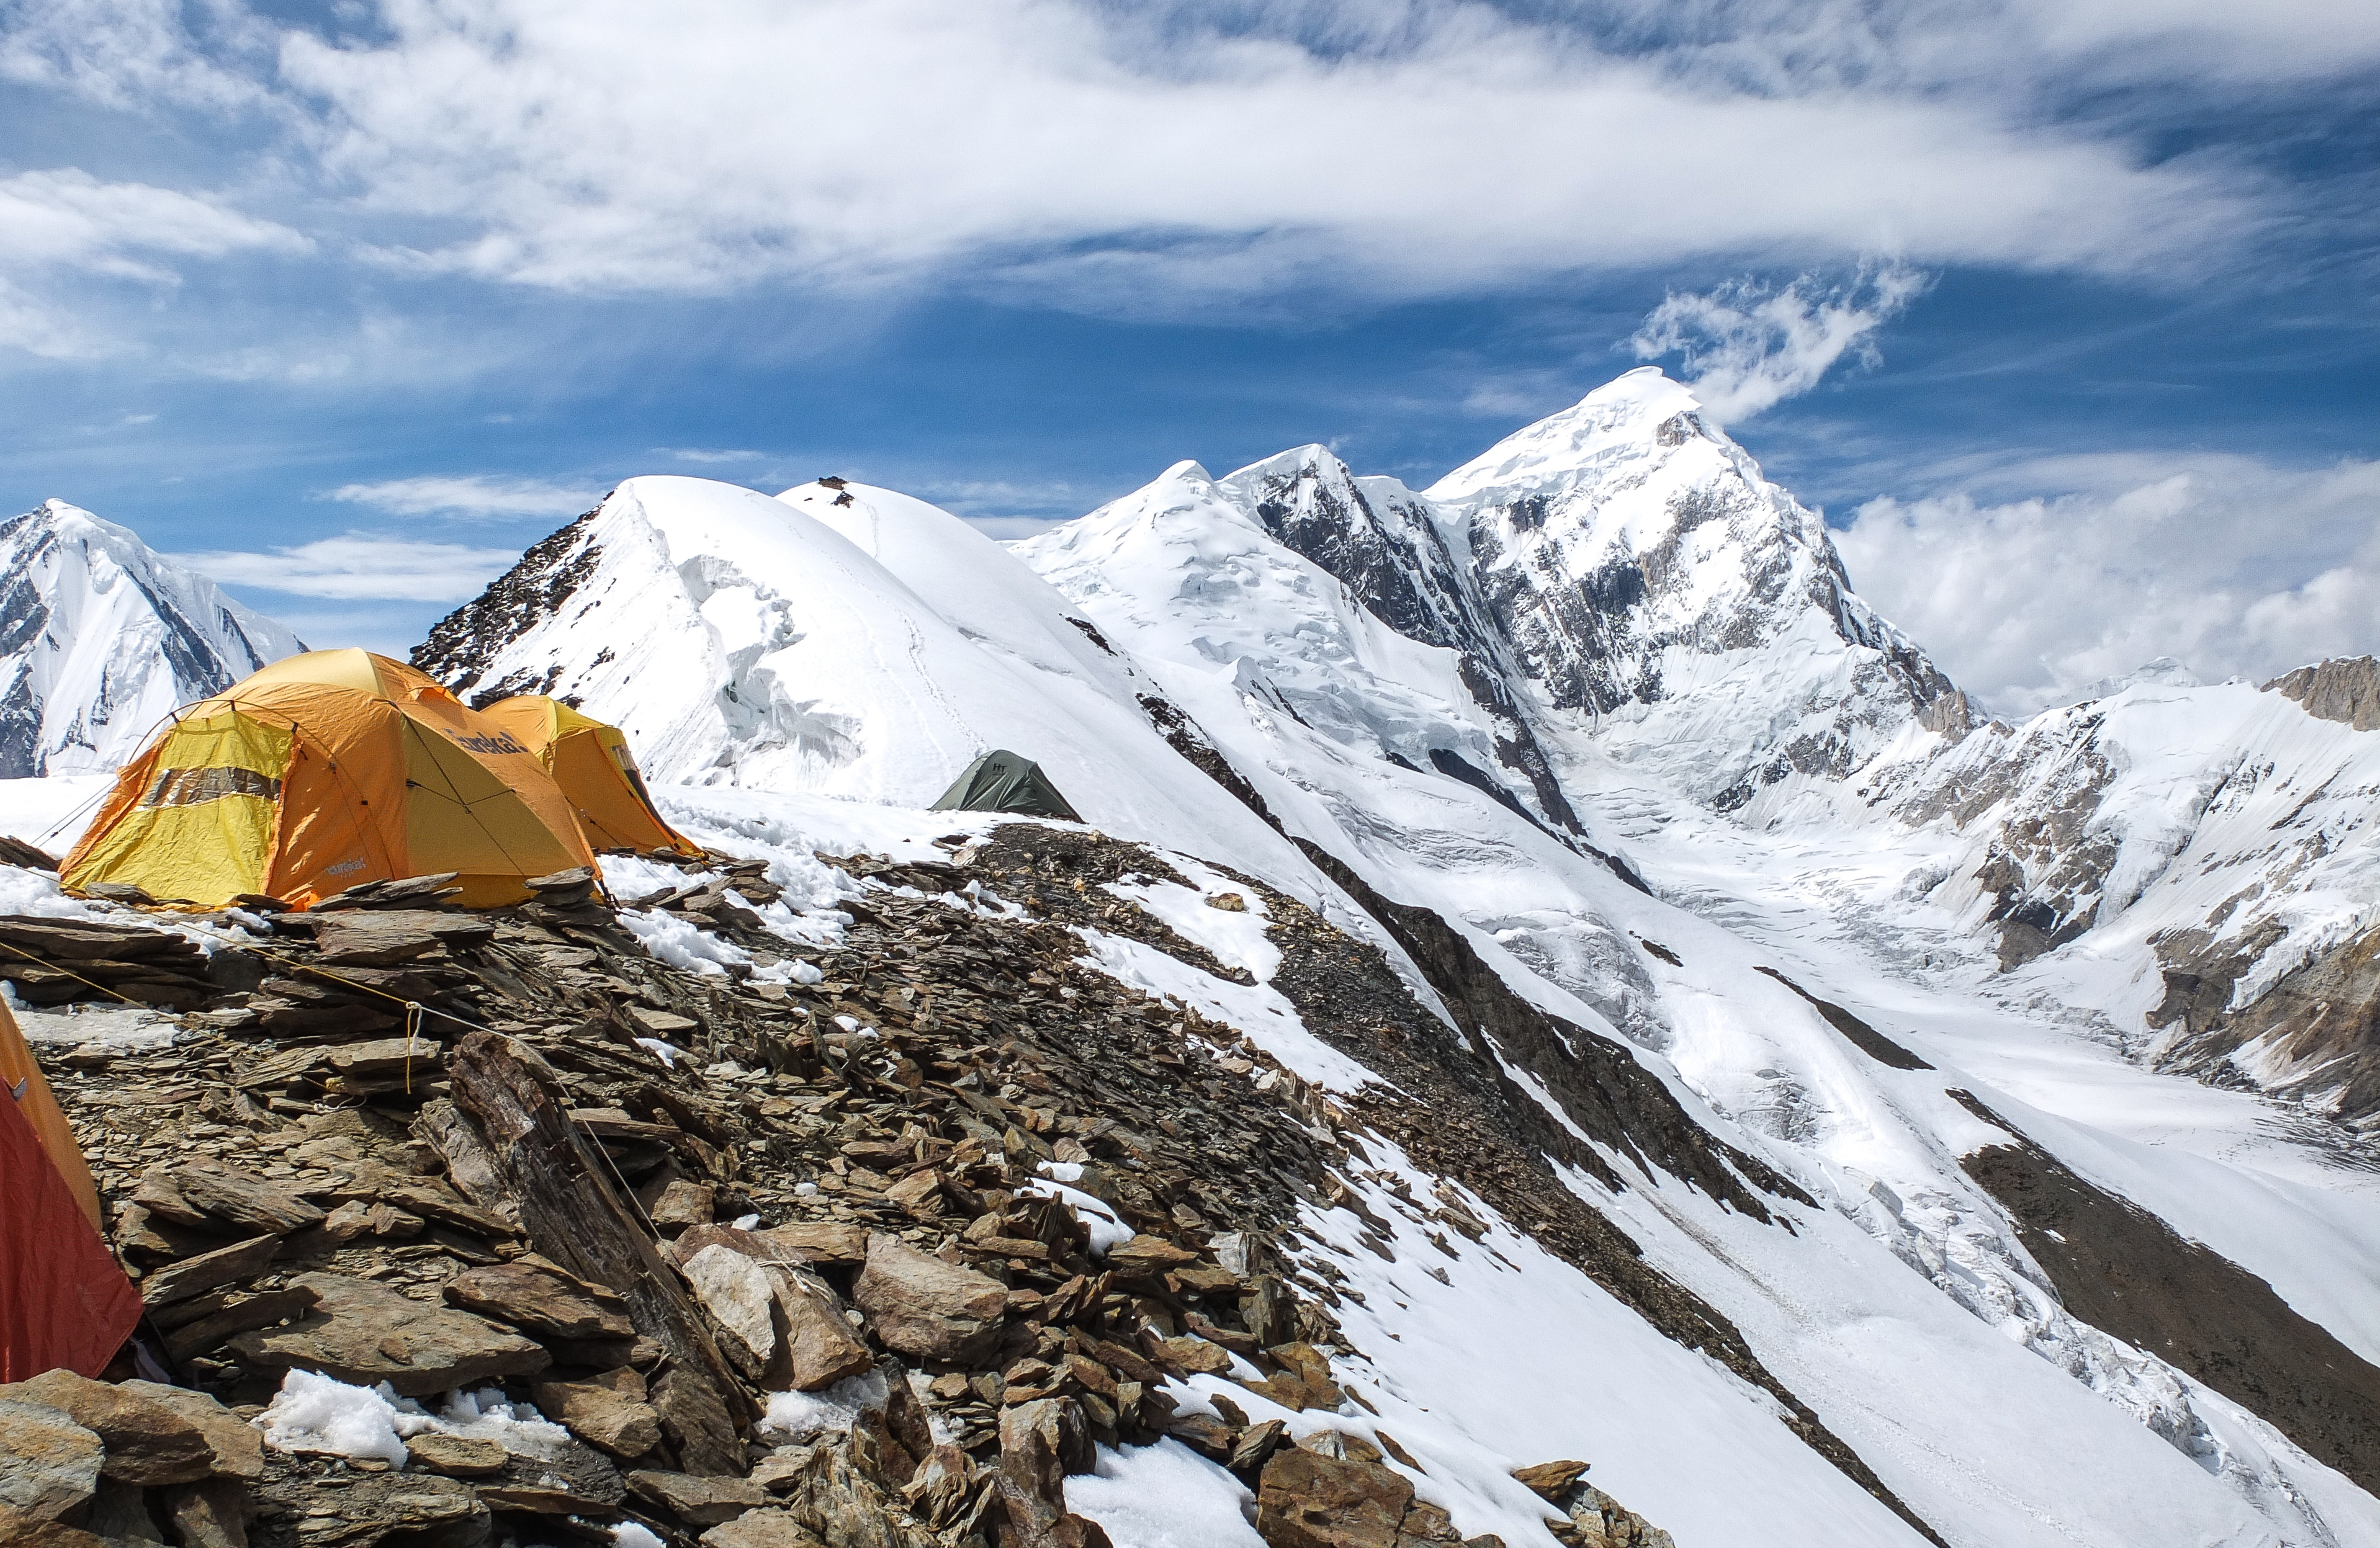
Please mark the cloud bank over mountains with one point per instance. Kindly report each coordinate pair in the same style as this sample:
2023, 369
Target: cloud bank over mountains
2227, 563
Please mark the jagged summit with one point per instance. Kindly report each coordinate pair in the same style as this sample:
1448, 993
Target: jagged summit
101, 636
1649, 580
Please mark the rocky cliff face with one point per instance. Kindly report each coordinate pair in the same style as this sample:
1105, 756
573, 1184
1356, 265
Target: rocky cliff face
100, 638
1653, 583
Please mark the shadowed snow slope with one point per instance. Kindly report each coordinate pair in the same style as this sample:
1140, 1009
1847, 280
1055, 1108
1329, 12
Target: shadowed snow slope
101, 638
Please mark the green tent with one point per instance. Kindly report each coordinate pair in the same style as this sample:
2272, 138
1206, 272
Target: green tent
1003, 782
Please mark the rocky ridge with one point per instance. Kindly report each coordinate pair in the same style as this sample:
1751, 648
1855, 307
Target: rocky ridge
909, 1238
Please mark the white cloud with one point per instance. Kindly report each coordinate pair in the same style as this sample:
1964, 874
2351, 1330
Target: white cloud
704, 454
1748, 347
359, 566
2227, 563
1090, 154
479, 495
61, 228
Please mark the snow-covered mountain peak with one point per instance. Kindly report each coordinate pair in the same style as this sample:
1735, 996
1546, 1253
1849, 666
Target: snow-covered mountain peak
1578, 446
100, 637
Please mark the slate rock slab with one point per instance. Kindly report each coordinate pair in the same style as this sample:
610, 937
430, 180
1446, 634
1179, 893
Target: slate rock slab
365, 1333
540, 1297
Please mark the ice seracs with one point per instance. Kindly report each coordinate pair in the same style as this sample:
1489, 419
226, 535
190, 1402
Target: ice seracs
100, 637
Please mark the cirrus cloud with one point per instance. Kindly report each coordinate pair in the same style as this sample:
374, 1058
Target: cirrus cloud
359, 566
477, 495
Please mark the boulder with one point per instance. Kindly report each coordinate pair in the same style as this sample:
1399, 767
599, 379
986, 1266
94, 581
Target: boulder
365, 1333
700, 1502
49, 1465
147, 1442
819, 1346
1308, 1501
927, 1309
737, 1294
236, 1444
1041, 1443
538, 1298
609, 1413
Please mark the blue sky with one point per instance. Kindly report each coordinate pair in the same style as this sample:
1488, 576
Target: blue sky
2064, 313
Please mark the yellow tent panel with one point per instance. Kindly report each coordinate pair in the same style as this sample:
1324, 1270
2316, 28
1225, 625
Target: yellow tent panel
591, 762
321, 772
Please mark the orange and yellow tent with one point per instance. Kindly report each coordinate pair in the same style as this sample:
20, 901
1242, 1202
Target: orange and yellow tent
591, 762
324, 771
64, 1301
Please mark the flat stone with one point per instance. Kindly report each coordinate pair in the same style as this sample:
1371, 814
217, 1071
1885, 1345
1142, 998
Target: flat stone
365, 1333
601, 1414
700, 1502
537, 1499
819, 1242
49, 1465
147, 1442
384, 1056
537, 1297
455, 1456
1307, 1501
242, 1199
1145, 1255
762, 1529
237, 1446
661, 1024
1196, 1356
927, 1309
208, 1271
383, 938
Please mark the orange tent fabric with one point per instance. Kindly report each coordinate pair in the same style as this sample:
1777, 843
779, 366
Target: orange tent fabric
22, 1076
324, 771
64, 1300
591, 762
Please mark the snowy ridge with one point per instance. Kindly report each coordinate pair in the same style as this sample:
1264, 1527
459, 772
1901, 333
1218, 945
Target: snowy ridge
101, 638
770, 644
